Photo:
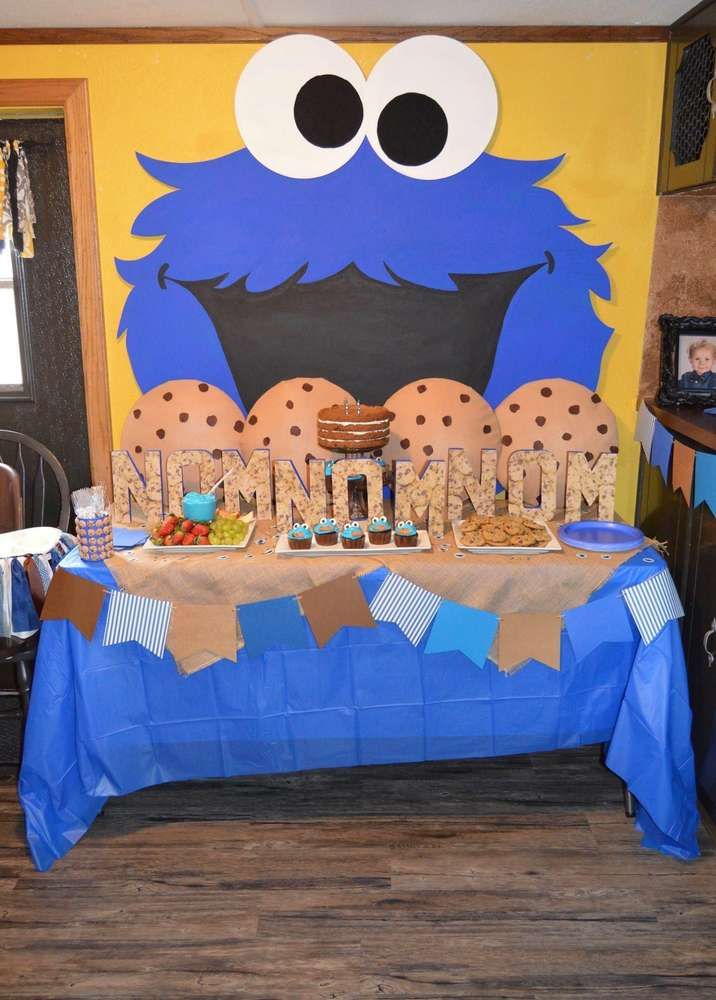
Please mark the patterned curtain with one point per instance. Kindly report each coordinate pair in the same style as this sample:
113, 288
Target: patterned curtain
17, 214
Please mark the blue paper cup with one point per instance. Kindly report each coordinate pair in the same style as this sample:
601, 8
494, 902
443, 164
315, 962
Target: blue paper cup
199, 506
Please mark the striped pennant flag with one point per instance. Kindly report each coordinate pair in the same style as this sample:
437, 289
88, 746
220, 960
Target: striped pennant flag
132, 618
653, 603
405, 604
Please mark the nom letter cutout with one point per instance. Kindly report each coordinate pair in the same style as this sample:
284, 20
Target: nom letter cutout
462, 479
129, 486
346, 467
596, 483
291, 492
421, 493
517, 465
177, 461
251, 480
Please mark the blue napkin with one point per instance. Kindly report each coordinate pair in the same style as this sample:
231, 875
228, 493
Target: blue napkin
661, 446
128, 538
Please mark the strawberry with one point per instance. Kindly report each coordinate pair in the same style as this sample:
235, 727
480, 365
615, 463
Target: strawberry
178, 538
168, 540
202, 540
201, 529
167, 528
188, 539
187, 525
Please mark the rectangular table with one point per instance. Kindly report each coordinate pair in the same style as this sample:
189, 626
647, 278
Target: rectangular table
109, 720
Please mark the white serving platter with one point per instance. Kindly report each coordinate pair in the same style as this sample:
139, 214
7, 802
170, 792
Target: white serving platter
424, 545
508, 550
197, 549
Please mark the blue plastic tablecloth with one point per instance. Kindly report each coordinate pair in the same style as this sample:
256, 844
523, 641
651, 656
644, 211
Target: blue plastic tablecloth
109, 720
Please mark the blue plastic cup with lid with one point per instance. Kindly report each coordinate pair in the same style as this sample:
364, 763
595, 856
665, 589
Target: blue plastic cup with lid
199, 506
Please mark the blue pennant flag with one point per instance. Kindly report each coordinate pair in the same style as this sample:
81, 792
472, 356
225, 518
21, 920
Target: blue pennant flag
653, 603
603, 620
410, 607
131, 618
467, 630
273, 624
705, 480
661, 446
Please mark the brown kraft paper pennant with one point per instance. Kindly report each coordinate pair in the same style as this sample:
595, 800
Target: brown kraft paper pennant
682, 470
74, 599
529, 637
201, 634
331, 606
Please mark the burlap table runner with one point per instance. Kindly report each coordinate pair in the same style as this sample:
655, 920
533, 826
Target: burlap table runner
549, 582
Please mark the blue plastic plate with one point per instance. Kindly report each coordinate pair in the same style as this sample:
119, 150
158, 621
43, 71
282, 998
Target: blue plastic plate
600, 536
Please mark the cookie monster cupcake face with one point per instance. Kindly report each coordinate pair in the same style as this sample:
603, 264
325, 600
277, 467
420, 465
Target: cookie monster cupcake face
352, 535
299, 536
379, 530
406, 534
326, 531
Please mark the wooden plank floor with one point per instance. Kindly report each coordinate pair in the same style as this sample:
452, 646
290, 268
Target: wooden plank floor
517, 878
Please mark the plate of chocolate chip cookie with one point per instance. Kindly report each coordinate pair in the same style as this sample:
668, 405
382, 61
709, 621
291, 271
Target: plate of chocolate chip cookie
504, 534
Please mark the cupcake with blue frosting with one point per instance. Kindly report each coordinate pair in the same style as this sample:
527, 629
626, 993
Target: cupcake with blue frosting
406, 535
352, 536
299, 536
326, 531
379, 530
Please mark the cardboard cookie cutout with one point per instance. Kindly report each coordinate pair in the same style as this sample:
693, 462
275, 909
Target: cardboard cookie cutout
434, 415
284, 420
558, 416
181, 415
362, 235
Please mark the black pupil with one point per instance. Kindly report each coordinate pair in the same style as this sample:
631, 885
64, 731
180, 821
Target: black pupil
412, 129
328, 111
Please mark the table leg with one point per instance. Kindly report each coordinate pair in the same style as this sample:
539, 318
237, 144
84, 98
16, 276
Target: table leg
629, 803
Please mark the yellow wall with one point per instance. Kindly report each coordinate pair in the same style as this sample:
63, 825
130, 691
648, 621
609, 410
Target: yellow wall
598, 103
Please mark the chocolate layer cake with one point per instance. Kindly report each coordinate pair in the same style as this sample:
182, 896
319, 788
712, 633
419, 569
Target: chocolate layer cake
352, 427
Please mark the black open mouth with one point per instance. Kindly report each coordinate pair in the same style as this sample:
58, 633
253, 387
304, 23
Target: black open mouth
368, 337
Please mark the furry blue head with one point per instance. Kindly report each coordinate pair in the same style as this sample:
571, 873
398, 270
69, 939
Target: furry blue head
261, 276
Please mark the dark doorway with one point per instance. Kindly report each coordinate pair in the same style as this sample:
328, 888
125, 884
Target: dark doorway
51, 407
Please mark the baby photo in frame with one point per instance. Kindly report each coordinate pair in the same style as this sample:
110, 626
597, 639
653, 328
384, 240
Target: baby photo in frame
688, 360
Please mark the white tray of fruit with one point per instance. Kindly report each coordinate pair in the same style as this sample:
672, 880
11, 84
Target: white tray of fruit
227, 532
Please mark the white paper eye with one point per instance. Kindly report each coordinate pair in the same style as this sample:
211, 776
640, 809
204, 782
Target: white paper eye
431, 107
409, 524
332, 520
304, 525
295, 525
383, 519
299, 106
400, 524
346, 526
324, 520
354, 524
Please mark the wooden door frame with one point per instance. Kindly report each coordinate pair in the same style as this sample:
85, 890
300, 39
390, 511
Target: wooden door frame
72, 97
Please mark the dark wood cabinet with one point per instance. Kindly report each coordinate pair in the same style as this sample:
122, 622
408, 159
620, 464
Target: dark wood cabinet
690, 534
688, 139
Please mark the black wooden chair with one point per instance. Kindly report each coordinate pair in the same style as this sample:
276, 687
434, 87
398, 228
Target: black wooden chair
33, 491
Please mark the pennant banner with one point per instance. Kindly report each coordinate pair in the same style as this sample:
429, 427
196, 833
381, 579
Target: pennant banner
682, 470
661, 445
131, 618
273, 624
705, 480
644, 432
201, 634
466, 630
604, 620
529, 637
653, 603
74, 599
332, 606
405, 604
